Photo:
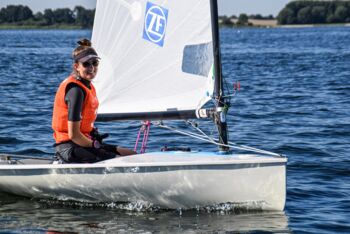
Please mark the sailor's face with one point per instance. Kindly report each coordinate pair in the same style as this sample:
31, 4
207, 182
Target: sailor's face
88, 69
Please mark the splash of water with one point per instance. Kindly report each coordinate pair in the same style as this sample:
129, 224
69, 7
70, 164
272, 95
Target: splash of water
144, 206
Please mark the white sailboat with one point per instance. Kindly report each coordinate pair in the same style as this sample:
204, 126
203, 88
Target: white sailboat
160, 60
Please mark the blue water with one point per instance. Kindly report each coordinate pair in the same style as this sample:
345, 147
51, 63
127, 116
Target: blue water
294, 100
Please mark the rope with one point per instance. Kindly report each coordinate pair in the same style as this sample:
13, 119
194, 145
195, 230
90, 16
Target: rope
206, 138
145, 130
234, 145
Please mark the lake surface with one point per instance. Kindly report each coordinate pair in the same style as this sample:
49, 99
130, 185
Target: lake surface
294, 100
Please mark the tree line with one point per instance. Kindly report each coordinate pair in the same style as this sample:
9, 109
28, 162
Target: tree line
20, 15
242, 19
315, 12
295, 12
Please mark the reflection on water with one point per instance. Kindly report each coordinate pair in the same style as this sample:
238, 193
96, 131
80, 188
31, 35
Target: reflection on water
26, 215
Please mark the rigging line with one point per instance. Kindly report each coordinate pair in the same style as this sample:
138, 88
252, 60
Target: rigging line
194, 134
215, 142
197, 136
232, 143
248, 148
187, 133
200, 130
203, 134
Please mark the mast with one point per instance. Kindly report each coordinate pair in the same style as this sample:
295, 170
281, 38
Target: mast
220, 115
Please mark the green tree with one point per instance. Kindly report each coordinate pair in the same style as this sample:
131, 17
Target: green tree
15, 13
3, 15
257, 16
64, 16
84, 17
303, 12
340, 14
24, 13
49, 17
39, 16
39, 19
304, 15
242, 19
226, 21
286, 16
318, 14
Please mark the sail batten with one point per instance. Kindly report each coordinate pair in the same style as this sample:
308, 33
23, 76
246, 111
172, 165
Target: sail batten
154, 56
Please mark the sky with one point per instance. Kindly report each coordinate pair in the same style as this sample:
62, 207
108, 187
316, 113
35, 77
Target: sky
226, 7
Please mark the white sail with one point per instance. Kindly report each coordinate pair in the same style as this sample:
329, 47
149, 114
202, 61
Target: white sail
156, 55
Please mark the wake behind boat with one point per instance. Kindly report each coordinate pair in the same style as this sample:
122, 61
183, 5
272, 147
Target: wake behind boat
160, 60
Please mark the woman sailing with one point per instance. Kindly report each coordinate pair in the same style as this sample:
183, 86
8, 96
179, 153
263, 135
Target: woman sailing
75, 111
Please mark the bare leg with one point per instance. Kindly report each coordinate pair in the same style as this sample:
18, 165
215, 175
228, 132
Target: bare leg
124, 151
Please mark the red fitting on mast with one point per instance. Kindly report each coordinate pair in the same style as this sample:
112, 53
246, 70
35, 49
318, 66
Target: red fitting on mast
237, 85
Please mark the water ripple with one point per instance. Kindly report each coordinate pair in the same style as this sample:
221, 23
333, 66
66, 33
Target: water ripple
294, 100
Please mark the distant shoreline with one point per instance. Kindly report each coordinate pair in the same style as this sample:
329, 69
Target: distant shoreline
287, 26
272, 23
312, 25
58, 27
73, 27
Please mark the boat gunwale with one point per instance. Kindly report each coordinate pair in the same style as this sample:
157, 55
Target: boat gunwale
222, 160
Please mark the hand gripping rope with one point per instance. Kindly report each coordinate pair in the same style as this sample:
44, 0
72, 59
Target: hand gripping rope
145, 130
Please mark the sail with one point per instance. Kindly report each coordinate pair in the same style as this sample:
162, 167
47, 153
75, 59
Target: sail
156, 56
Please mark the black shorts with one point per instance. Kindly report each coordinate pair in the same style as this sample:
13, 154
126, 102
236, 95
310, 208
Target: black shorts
69, 152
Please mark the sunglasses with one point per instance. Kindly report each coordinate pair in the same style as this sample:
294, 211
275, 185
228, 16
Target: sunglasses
91, 63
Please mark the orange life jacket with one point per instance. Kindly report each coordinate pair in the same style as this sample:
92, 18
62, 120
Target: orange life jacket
60, 111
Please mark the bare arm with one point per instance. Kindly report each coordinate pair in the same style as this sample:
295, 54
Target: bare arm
77, 136
124, 151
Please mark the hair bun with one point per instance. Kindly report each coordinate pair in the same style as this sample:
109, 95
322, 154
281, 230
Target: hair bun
84, 42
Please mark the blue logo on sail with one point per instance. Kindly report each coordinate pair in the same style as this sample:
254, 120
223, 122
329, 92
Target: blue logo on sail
156, 18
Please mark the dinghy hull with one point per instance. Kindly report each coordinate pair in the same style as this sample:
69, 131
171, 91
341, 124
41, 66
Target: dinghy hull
169, 180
